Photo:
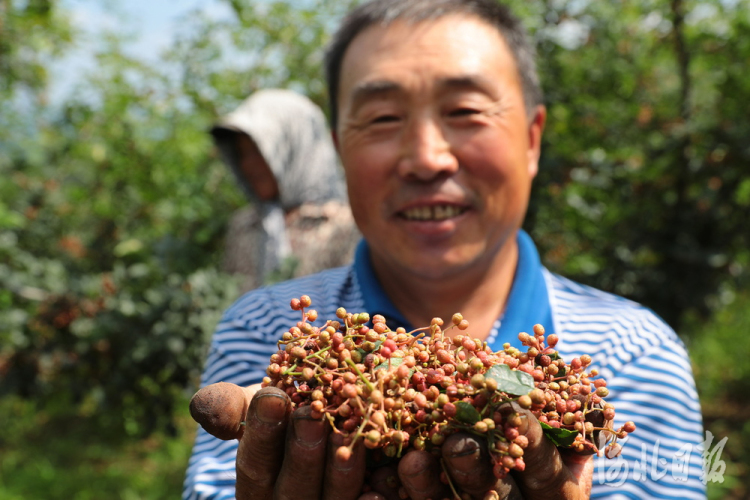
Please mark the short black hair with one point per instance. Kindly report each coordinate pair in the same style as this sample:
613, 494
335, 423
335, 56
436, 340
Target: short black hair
384, 12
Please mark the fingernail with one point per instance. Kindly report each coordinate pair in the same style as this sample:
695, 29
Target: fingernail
270, 408
524, 427
465, 455
464, 447
309, 432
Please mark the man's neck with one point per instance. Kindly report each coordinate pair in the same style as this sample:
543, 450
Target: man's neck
479, 293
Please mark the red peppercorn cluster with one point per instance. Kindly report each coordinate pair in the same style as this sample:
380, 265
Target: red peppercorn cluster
396, 390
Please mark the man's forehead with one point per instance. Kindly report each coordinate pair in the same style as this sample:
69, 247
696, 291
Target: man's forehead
391, 34
458, 52
369, 89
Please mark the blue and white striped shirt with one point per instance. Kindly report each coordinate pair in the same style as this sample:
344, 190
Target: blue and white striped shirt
644, 362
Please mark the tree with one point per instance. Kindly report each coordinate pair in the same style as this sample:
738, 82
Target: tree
109, 252
642, 189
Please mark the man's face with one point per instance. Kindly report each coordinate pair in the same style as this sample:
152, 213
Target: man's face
434, 138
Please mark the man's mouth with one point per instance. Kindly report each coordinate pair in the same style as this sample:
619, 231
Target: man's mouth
432, 212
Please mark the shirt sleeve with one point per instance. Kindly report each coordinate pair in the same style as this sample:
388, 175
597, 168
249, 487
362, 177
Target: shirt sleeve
662, 458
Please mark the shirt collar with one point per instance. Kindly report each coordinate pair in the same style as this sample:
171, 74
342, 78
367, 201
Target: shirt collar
374, 297
527, 305
528, 302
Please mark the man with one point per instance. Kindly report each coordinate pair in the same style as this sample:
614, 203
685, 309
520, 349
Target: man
437, 118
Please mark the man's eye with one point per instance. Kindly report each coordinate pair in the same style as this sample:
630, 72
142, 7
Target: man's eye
463, 112
385, 119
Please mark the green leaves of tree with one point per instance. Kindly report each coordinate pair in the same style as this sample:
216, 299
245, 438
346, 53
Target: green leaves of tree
642, 185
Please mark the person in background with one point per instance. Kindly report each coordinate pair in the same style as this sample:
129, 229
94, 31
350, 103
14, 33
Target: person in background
298, 222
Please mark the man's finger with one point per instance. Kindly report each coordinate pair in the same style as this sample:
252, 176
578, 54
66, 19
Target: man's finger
301, 475
384, 480
546, 474
345, 473
470, 468
468, 463
419, 472
582, 468
261, 449
221, 408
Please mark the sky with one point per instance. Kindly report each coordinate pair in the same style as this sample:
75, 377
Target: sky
150, 24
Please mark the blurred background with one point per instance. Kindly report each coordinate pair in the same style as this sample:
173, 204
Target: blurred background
114, 206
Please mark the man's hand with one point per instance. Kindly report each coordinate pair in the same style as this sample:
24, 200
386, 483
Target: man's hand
548, 473
285, 454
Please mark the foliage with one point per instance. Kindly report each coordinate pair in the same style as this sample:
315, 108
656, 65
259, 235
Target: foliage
721, 378
31, 34
642, 189
109, 288
223, 61
123, 347
51, 453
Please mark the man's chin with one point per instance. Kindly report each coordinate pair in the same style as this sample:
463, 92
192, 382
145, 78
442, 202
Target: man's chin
429, 262
432, 267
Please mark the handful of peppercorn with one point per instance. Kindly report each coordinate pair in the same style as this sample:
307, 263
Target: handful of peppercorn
395, 390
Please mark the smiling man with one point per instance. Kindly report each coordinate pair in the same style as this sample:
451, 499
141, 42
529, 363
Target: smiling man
437, 118
439, 152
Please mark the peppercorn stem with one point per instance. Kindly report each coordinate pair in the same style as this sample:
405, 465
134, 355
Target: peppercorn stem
450, 482
365, 421
359, 374
317, 354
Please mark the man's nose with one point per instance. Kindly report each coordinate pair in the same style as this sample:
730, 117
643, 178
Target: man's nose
426, 152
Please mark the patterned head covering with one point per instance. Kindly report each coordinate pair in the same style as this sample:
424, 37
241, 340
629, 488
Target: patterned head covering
292, 135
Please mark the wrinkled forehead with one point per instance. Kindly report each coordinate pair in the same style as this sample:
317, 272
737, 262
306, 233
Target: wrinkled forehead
399, 30
451, 51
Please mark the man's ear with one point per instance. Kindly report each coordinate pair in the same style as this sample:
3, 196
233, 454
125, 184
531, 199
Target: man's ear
536, 129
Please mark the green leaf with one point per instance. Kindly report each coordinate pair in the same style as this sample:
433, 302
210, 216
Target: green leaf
395, 362
561, 437
466, 413
510, 381
364, 353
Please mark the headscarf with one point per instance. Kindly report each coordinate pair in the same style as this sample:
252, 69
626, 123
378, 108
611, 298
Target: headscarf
292, 135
